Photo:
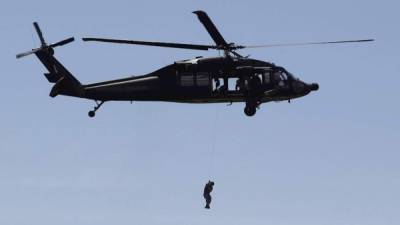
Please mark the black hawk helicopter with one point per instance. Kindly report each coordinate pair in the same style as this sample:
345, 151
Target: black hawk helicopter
229, 78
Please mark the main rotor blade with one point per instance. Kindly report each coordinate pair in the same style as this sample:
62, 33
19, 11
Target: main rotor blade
158, 44
211, 28
305, 43
40, 34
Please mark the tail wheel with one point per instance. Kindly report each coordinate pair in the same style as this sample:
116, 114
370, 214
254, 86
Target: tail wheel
91, 113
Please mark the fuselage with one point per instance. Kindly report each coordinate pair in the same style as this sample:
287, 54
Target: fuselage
203, 80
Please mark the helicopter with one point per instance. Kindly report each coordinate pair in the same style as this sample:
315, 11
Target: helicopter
225, 79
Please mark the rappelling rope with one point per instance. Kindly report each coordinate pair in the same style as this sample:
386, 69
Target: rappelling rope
213, 143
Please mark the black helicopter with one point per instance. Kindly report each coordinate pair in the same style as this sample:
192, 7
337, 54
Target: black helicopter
230, 78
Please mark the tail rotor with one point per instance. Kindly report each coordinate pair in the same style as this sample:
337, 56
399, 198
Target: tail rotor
40, 34
44, 46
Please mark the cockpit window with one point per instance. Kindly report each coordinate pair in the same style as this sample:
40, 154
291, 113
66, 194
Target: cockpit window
281, 77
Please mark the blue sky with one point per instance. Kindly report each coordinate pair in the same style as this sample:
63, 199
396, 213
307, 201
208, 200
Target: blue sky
328, 158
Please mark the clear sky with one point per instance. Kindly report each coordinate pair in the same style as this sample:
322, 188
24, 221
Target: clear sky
329, 158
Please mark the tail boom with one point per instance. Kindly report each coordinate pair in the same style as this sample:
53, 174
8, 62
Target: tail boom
65, 82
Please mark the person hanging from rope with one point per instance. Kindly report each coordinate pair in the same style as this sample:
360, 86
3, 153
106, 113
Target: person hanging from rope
207, 193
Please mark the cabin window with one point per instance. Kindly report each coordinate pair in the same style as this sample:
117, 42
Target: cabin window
233, 84
217, 84
267, 78
187, 79
202, 79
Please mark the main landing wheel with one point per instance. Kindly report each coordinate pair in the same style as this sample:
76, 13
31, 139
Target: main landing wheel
91, 113
250, 111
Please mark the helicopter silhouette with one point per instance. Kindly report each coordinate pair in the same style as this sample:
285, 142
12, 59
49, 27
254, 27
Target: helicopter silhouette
224, 79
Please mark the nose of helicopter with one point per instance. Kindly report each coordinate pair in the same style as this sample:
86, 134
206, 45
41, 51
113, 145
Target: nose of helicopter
313, 87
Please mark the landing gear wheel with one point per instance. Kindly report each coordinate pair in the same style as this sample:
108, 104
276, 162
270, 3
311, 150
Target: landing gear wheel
250, 111
91, 114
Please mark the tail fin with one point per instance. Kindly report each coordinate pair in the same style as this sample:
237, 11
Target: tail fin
65, 82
